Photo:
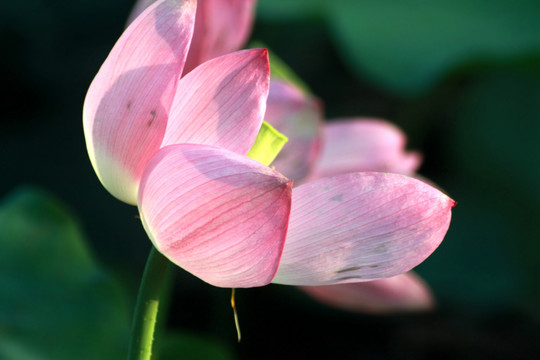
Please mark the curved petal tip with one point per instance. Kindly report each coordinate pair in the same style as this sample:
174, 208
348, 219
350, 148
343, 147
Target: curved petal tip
361, 227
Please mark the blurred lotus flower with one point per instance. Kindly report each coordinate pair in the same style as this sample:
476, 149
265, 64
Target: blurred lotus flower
402, 293
348, 145
175, 147
363, 144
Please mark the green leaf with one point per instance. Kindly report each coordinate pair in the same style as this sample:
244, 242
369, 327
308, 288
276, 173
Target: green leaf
56, 302
408, 46
268, 144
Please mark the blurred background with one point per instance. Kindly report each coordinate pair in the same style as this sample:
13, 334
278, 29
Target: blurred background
461, 78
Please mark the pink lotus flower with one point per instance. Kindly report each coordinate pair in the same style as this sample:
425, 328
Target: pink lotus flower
175, 147
339, 147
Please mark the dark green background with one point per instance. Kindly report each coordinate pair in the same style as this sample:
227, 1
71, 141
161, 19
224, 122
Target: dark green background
461, 78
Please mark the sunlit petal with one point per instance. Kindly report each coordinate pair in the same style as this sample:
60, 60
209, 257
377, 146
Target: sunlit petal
361, 226
221, 102
127, 104
219, 215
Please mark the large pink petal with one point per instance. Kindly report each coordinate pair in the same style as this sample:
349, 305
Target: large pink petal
299, 117
221, 27
352, 145
221, 102
360, 227
402, 293
127, 105
219, 215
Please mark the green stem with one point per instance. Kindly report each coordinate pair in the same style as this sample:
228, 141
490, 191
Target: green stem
146, 309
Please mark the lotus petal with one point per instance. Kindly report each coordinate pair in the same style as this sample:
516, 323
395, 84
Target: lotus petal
221, 27
219, 215
221, 102
127, 105
402, 293
353, 145
361, 227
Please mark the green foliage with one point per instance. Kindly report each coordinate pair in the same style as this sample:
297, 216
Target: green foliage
56, 302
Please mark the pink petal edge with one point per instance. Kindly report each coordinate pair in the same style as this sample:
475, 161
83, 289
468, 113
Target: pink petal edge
361, 227
127, 105
221, 216
401, 293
